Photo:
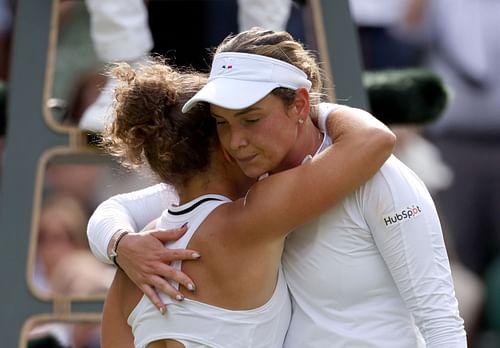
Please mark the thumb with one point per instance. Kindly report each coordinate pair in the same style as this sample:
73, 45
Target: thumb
170, 234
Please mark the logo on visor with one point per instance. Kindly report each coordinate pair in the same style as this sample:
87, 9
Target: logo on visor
227, 67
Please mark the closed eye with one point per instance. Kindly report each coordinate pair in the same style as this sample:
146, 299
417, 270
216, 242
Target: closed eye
219, 120
252, 120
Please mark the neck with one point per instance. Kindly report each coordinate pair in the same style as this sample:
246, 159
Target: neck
199, 186
218, 179
309, 139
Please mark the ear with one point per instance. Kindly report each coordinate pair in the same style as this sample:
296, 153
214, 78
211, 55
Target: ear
301, 104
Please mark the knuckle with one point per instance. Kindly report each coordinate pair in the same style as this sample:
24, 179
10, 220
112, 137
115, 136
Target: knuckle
169, 272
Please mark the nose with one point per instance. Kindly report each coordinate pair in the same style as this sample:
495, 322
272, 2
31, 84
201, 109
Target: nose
238, 138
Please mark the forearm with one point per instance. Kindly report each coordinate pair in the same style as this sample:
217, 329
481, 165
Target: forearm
129, 212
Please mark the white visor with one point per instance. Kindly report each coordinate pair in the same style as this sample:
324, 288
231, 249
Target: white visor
239, 80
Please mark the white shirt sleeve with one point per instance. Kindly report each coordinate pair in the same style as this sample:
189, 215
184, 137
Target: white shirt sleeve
324, 111
129, 211
407, 232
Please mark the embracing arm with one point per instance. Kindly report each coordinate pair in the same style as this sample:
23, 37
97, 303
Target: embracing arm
141, 255
406, 229
115, 332
129, 211
281, 202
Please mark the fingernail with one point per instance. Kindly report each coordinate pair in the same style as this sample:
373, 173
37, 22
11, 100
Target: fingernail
163, 310
184, 225
195, 255
179, 297
191, 287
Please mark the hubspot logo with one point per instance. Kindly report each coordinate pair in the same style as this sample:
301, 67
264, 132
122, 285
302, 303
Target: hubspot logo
405, 214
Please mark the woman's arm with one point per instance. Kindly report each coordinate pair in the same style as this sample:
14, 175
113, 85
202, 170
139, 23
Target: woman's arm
141, 255
283, 201
129, 211
115, 332
413, 248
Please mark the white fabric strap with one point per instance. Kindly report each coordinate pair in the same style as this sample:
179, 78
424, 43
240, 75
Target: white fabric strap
324, 110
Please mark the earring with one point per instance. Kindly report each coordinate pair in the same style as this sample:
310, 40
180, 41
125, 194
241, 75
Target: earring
301, 121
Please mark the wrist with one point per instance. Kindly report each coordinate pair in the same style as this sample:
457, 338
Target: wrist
114, 243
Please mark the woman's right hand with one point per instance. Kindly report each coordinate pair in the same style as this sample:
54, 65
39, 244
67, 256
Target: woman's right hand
146, 261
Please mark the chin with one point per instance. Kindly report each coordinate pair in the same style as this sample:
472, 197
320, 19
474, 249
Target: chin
256, 168
254, 173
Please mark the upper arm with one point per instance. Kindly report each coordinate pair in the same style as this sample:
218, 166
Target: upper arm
115, 332
405, 226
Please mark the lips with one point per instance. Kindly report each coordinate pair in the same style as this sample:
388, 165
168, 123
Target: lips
245, 159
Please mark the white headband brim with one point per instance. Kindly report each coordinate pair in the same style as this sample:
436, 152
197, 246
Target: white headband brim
239, 80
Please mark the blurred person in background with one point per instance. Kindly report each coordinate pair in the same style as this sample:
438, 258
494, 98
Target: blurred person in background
81, 274
462, 47
380, 46
61, 231
77, 274
61, 234
130, 29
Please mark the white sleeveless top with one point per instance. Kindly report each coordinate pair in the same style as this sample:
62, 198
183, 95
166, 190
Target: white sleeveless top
196, 324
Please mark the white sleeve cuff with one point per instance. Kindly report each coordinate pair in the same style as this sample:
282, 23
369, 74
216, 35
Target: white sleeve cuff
324, 110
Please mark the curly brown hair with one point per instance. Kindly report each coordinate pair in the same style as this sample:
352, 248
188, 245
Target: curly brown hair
149, 126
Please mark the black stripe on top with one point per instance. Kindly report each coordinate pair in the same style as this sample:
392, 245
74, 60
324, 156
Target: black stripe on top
194, 206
